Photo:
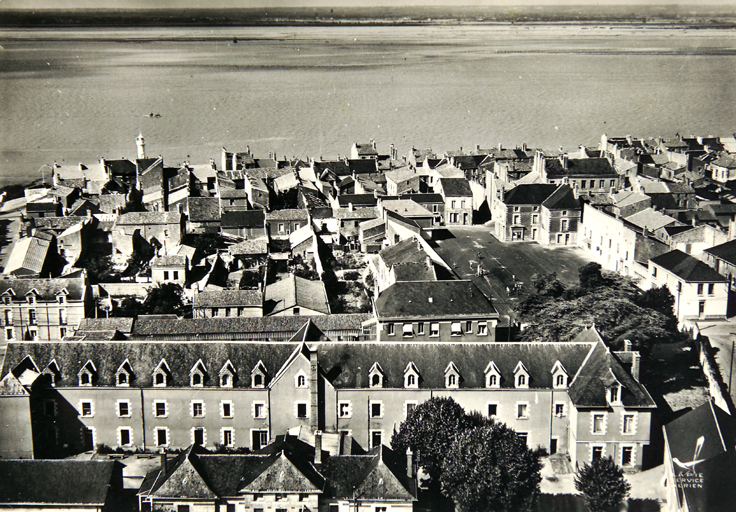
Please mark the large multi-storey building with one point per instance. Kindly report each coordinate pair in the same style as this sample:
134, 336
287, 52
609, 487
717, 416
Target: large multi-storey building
42, 309
565, 397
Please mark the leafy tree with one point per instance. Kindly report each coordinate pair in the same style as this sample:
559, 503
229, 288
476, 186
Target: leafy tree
590, 276
490, 469
429, 431
603, 485
619, 309
165, 298
129, 306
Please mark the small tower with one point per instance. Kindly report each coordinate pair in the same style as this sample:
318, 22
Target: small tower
141, 143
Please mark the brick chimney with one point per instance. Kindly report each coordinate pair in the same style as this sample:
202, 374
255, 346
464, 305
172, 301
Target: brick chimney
409, 463
635, 366
317, 447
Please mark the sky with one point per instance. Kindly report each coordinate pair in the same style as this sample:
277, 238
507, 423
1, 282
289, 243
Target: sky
180, 4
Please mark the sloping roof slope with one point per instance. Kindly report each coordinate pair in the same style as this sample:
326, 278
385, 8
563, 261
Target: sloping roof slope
433, 299
687, 268
529, 193
296, 291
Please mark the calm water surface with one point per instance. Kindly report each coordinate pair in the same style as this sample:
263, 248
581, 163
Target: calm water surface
76, 96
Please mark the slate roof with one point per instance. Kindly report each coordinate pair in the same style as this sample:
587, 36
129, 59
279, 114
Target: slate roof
406, 251
288, 214
121, 324
589, 387
283, 472
420, 271
727, 161
579, 167
455, 187
171, 260
46, 289
628, 197
399, 175
562, 199
406, 208
123, 167
248, 247
357, 213
363, 200
228, 298
366, 149
650, 219
362, 165
714, 431
688, 268
428, 198
309, 332
148, 218
28, 253
203, 209
56, 482
243, 219
433, 300
296, 291
529, 194
339, 167
726, 251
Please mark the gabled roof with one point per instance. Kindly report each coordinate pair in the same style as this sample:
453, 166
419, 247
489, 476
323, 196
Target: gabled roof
362, 200
283, 472
579, 167
242, 219
589, 335
725, 251
588, 388
433, 300
309, 332
11, 386
28, 254
148, 218
288, 214
650, 219
727, 161
57, 482
562, 199
529, 194
406, 208
203, 209
183, 477
406, 251
687, 268
296, 291
366, 148
45, 289
455, 187
248, 247
228, 298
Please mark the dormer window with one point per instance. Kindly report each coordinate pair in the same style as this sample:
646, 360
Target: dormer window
227, 375
452, 376
375, 376
521, 376
614, 394
61, 296
87, 373
258, 375
300, 380
161, 375
493, 376
53, 371
31, 299
197, 374
411, 376
559, 376
124, 375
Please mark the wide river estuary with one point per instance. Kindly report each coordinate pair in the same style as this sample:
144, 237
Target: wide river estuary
77, 95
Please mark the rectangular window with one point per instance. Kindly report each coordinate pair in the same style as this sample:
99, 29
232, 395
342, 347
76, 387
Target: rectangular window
602, 183
126, 437
34, 334
390, 329
599, 424
420, 328
197, 409
627, 426
166, 275
227, 437
301, 410
482, 328
226, 408
522, 410
86, 409
32, 316
535, 219
9, 334
524, 436
434, 329
182, 508
592, 184
259, 410
455, 329
700, 288
711, 288
408, 407
469, 327
596, 453
176, 275
453, 203
701, 307
162, 437
160, 409
123, 409
492, 410
627, 453
62, 332
654, 272
559, 410
376, 410
376, 438
564, 225
344, 409
281, 228
296, 311
198, 436
582, 183
407, 330
8, 317
613, 183
517, 219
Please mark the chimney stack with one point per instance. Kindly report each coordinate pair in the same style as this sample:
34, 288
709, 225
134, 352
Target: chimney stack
500, 146
409, 463
163, 462
317, 447
635, 366
563, 160
627, 345
313, 389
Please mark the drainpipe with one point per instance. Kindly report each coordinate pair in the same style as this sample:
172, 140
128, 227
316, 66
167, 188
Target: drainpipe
143, 419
